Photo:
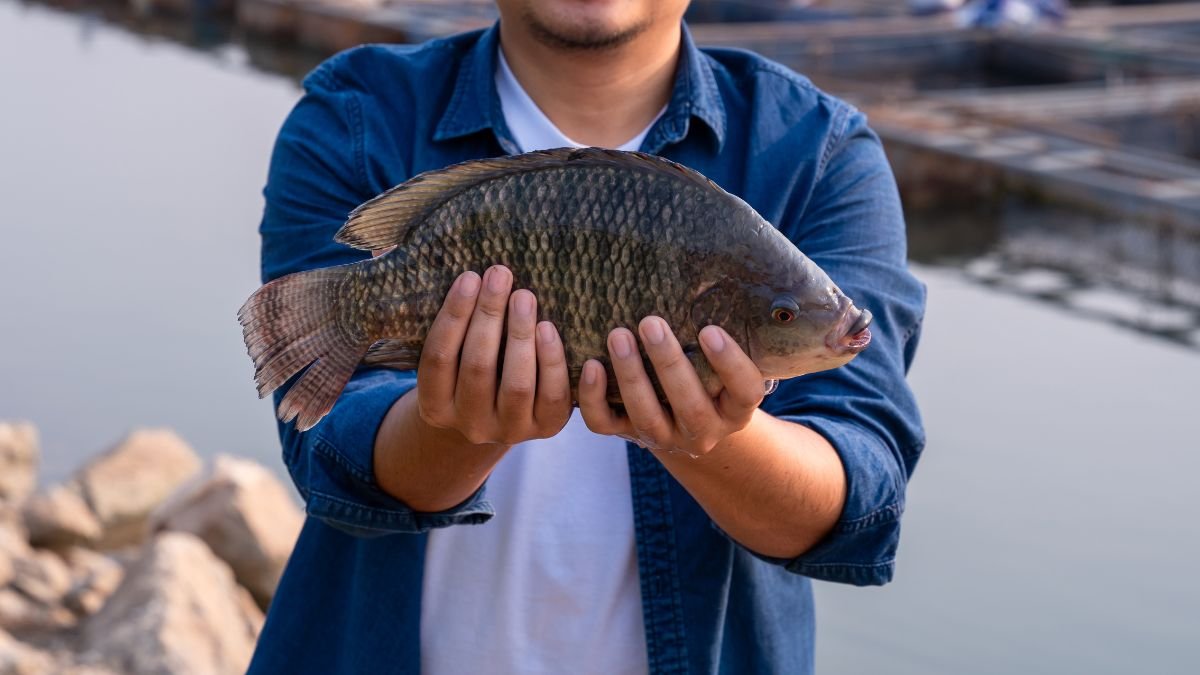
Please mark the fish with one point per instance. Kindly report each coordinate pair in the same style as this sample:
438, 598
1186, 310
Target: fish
603, 238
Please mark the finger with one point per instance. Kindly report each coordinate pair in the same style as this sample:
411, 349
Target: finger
742, 380
593, 402
475, 392
552, 407
691, 406
518, 377
650, 421
437, 370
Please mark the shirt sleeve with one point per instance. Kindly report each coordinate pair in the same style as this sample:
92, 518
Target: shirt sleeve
853, 227
317, 177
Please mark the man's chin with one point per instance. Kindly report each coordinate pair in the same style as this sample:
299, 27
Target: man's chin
584, 33
585, 39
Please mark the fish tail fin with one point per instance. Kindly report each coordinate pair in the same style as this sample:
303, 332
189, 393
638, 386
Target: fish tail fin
292, 323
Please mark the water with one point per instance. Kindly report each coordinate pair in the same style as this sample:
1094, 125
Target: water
1052, 525
130, 169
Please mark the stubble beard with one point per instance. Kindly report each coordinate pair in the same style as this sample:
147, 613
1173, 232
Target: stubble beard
586, 38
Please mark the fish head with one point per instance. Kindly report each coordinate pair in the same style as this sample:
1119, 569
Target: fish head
804, 324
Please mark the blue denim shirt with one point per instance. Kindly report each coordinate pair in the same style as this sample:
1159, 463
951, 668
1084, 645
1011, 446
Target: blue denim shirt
372, 117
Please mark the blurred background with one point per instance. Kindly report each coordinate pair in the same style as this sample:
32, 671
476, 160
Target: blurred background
1049, 159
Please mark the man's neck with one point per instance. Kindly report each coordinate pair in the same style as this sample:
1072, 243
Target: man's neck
599, 97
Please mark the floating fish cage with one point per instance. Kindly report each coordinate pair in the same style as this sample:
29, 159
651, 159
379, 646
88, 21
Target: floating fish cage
1145, 278
891, 61
1174, 131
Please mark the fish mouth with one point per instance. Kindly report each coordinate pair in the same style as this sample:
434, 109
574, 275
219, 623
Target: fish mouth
851, 335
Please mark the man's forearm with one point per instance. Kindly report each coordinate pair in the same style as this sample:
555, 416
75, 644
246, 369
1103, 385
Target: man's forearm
427, 468
775, 486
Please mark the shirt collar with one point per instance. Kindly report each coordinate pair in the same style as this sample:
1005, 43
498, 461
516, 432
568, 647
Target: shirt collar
475, 106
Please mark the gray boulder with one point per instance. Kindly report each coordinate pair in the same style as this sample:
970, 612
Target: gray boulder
12, 546
126, 483
178, 611
94, 577
18, 658
58, 517
41, 576
18, 461
244, 514
24, 616
32, 602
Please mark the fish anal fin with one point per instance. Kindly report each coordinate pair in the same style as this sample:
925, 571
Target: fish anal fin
394, 354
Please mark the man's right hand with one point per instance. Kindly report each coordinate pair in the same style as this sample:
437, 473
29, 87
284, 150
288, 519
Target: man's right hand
456, 377
441, 440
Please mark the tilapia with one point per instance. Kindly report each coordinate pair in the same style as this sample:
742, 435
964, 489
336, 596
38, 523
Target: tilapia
603, 238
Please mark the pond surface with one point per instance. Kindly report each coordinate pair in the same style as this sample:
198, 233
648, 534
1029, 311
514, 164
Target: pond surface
1052, 525
130, 169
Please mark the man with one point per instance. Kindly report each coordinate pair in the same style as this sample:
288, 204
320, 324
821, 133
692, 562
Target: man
443, 536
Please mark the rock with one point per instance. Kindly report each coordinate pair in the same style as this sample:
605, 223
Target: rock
13, 540
32, 603
178, 611
94, 577
9, 514
58, 517
244, 514
22, 615
42, 576
18, 461
82, 669
17, 658
12, 546
123, 485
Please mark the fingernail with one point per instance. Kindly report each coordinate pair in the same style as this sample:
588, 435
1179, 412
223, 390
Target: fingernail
589, 373
713, 338
622, 344
468, 284
523, 304
653, 330
545, 332
496, 280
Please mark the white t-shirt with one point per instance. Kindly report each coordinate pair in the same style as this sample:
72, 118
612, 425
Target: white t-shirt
550, 584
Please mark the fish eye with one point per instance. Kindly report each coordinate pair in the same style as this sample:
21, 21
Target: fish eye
784, 310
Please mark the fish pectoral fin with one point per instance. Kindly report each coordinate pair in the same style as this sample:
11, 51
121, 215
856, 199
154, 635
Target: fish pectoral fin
714, 304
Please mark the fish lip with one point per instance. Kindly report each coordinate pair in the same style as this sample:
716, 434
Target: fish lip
850, 335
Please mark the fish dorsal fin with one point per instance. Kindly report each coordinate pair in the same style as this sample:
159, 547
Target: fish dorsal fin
387, 219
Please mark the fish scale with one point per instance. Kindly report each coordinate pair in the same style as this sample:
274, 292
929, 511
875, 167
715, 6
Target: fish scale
545, 242
602, 238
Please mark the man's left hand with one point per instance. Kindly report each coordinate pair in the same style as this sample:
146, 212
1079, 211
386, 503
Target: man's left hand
695, 421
